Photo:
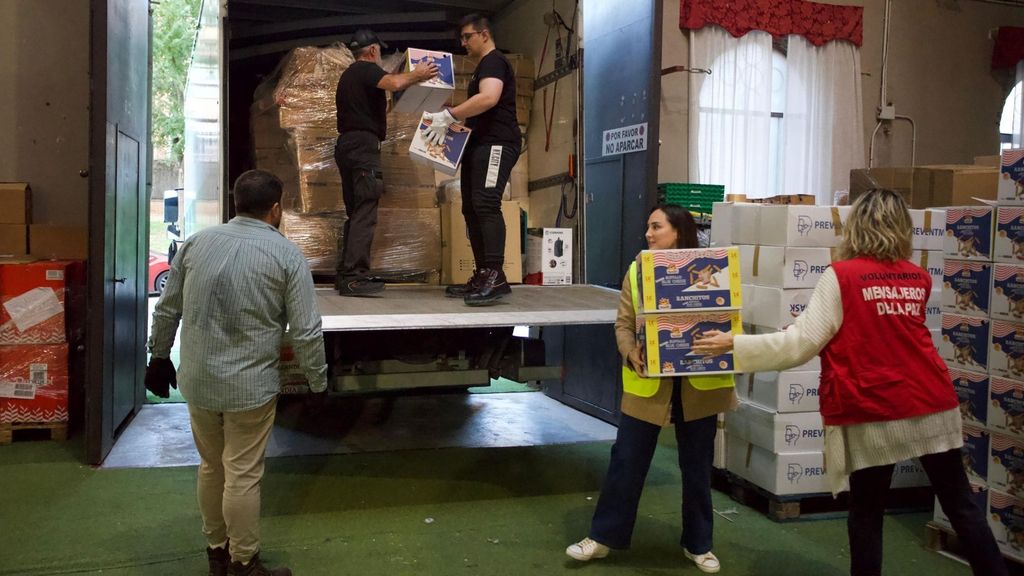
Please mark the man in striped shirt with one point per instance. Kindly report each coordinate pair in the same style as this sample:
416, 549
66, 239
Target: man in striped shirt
235, 288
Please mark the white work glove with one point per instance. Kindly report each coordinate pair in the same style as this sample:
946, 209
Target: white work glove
438, 129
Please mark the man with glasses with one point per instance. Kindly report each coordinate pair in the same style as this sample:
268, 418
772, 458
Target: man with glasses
362, 125
492, 152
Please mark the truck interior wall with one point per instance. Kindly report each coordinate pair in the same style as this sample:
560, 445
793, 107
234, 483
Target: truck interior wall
44, 105
939, 75
520, 28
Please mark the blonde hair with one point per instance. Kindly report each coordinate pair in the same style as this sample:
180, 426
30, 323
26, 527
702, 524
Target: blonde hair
879, 227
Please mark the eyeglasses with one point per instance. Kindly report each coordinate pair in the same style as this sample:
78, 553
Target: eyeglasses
467, 35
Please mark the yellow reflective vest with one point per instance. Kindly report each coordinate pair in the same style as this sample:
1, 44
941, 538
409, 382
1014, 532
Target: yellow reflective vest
633, 383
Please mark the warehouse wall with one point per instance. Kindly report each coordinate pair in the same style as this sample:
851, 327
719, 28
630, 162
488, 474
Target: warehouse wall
44, 104
521, 29
939, 57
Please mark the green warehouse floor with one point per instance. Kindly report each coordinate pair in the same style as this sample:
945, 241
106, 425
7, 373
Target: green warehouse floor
417, 512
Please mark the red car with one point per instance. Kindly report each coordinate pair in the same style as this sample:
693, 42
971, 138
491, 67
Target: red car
159, 270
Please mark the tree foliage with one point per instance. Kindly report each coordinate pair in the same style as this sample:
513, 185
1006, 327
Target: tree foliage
174, 32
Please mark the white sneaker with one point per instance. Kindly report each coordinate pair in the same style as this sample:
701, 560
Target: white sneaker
587, 549
706, 562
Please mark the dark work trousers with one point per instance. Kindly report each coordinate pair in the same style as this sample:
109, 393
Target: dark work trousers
357, 154
631, 459
485, 171
946, 473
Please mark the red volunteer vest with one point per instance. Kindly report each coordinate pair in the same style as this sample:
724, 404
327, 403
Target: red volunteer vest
882, 364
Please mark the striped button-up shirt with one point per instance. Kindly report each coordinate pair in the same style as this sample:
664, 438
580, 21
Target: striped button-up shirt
235, 288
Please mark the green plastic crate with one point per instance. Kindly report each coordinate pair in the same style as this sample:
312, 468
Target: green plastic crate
694, 197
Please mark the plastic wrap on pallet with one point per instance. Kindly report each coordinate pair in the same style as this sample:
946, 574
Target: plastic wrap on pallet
303, 86
34, 383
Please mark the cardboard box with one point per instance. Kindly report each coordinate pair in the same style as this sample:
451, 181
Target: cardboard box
955, 184
899, 180
33, 297
48, 242
992, 161
34, 383
788, 391
929, 229
1006, 354
812, 365
908, 474
430, 95
801, 225
320, 191
969, 233
1008, 245
548, 256
933, 261
1006, 406
15, 203
774, 308
688, 279
780, 267
1007, 300
775, 432
1006, 518
443, 158
965, 287
13, 239
933, 310
721, 224
457, 255
965, 342
972, 391
668, 338
746, 221
781, 474
975, 452
1011, 178
979, 493
1006, 464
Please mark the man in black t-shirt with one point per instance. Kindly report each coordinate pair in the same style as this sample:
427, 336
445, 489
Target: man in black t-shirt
362, 125
492, 152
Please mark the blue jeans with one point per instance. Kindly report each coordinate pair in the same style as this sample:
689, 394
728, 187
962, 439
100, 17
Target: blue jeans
631, 459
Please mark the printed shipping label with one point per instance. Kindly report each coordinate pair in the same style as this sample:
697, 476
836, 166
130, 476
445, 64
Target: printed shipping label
965, 287
1006, 406
1007, 292
972, 393
689, 279
1009, 242
18, 390
969, 233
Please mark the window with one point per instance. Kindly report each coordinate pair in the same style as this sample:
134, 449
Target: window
1010, 121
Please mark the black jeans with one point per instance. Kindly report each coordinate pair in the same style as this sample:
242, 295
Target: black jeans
631, 459
485, 171
357, 154
946, 473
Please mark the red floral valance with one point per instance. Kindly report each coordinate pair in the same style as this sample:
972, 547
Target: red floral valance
819, 23
1009, 48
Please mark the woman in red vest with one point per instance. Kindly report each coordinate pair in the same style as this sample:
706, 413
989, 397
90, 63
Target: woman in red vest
647, 405
885, 394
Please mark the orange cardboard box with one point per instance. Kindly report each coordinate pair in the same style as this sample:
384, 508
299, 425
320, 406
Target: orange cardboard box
32, 296
34, 383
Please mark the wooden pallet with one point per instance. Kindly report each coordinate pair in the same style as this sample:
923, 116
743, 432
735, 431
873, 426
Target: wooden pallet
938, 538
817, 506
55, 430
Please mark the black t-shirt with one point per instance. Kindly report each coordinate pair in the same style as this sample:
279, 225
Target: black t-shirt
498, 125
361, 105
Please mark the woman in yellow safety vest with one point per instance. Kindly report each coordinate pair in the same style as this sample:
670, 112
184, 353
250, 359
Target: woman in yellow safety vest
647, 405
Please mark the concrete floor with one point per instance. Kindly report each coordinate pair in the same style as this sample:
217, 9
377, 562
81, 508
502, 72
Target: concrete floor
160, 435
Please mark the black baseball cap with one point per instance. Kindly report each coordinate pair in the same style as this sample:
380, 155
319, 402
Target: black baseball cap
364, 37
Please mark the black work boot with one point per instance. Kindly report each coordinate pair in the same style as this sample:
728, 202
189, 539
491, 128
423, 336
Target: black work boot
256, 568
219, 560
493, 286
359, 286
460, 290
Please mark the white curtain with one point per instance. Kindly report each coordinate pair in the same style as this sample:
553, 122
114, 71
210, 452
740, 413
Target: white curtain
730, 110
1018, 109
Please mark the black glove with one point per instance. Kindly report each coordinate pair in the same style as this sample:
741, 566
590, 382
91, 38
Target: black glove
161, 377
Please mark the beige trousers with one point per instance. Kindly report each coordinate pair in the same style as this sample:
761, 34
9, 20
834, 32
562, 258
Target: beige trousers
232, 448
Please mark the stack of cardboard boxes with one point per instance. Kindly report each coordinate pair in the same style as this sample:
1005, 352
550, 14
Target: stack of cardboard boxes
982, 342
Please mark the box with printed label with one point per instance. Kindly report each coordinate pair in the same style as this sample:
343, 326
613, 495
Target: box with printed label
1006, 351
457, 263
933, 261
969, 231
780, 474
34, 383
667, 340
965, 342
721, 224
908, 474
1006, 518
972, 393
979, 493
1007, 292
33, 302
1011, 179
774, 308
781, 267
774, 431
548, 256
689, 279
933, 310
800, 225
975, 452
1006, 464
1009, 242
1006, 406
788, 391
429, 95
929, 229
965, 287
445, 157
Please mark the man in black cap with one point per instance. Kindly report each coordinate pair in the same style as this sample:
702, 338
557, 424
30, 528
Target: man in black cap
362, 125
